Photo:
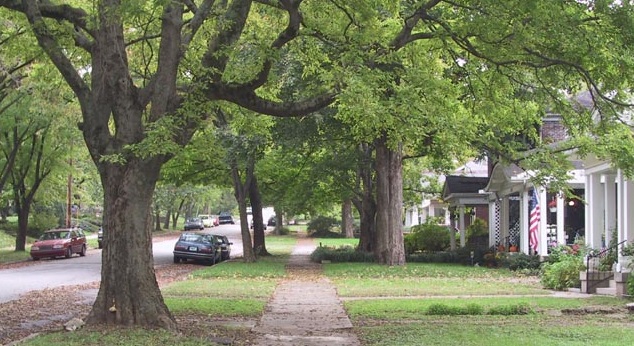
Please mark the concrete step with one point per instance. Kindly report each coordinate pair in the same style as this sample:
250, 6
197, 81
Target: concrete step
608, 291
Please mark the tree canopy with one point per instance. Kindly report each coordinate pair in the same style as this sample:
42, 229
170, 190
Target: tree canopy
408, 78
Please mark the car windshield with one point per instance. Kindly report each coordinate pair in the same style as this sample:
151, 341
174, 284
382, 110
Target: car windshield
193, 220
54, 235
196, 238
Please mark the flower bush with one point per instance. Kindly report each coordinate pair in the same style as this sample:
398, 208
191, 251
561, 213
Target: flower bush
627, 250
563, 267
563, 274
427, 237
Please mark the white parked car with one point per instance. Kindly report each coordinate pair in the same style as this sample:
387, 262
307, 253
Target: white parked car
208, 221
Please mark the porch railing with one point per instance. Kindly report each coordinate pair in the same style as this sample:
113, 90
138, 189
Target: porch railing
594, 275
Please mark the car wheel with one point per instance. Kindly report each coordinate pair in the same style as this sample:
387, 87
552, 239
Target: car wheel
69, 252
177, 259
83, 250
36, 258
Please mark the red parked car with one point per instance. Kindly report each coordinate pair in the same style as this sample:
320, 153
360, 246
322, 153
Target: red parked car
59, 242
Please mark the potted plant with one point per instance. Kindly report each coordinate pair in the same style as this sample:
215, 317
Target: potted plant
627, 257
627, 249
513, 248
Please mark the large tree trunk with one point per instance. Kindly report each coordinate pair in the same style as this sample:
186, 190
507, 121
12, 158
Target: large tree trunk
157, 218
389, 195
240, 194
23, 210
168, 216
279, 220
177, 214
367, 206
347, 221
259, 243
129, 293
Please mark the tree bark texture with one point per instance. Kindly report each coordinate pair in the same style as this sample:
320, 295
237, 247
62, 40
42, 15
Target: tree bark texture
389, 191
157, 219
129, 293
259, 242
347, 221
367, 205
23, 211
241, 196
279, 220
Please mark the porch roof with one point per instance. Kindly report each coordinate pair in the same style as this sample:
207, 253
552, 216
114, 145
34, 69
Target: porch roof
462, 190
505, 177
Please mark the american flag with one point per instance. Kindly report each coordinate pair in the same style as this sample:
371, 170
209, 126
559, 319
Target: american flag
533, 224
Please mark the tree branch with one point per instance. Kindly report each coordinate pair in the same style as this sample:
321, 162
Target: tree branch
50, 45
248, 99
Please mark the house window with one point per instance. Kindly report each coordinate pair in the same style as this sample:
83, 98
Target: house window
439, 212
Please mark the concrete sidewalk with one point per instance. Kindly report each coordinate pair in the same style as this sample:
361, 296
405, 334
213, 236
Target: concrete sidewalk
304, 309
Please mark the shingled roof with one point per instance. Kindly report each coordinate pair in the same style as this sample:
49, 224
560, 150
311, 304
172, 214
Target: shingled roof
457, 184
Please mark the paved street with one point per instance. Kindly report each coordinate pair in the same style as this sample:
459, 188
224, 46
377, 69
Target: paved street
80, 270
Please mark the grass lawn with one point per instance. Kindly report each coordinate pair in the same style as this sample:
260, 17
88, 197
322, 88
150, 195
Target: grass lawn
440, 304
535, 329
415, 304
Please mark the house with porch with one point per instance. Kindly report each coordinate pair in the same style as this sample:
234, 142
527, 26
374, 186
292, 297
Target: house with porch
448, 207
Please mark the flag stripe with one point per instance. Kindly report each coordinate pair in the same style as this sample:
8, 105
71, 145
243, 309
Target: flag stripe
534, 220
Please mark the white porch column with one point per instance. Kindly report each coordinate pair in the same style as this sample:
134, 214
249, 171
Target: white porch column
595, 200
461, 227
561, 233
543, 222
626, 207
415, 218
448, 217
610, 207
494, 223
504, 219
628, 210
524, 220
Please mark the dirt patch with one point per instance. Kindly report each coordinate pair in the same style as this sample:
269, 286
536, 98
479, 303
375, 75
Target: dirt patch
48, 310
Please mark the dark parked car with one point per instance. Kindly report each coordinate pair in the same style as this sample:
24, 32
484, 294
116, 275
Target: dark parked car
225, 247
100, 237
225, 218
198, 246
59, 242
272, 221
194, 223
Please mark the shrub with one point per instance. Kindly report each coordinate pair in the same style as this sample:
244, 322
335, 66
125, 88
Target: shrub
509, 310
41, 222
321, 226
559, 252
627, 250
522, 261
630, 284
448, 310
340, 254
562, 274
433, 257
427, 237
478, 228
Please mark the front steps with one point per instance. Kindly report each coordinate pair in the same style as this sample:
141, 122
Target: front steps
616, 286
